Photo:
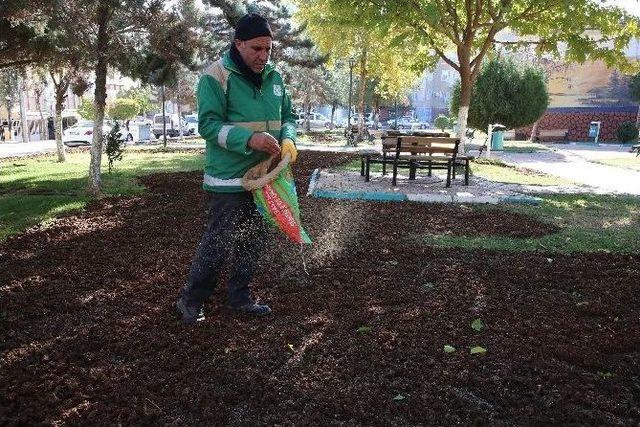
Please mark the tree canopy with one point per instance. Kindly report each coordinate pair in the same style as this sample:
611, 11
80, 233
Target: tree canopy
462, 32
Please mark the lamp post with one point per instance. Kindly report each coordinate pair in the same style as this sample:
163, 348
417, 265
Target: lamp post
352, 62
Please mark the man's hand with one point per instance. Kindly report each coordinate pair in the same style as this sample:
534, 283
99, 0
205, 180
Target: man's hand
262, 141
288, 147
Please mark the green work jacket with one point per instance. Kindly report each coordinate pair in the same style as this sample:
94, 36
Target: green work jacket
230, 110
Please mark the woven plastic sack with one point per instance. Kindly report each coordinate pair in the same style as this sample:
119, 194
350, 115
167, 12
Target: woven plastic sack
275, 196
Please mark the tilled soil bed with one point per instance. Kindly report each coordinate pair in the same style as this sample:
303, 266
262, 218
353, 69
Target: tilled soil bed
88, 334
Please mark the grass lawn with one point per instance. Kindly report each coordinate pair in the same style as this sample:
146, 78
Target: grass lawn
587, 223
35, 190
632, 163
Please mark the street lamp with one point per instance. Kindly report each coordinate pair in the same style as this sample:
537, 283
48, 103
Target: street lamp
352, 62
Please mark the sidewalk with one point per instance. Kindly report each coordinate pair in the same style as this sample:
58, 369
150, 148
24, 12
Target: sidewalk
572, 163
14, 149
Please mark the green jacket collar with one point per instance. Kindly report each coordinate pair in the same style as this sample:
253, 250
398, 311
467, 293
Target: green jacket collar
231, 66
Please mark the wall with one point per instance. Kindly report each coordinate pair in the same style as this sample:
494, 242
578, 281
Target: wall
577, 120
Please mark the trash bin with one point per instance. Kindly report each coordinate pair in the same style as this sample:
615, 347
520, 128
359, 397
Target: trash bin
497, 137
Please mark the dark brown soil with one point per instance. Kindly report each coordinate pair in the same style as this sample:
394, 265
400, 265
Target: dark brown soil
88, 334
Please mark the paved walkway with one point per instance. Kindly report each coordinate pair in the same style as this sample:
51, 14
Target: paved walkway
573, 163
15, 149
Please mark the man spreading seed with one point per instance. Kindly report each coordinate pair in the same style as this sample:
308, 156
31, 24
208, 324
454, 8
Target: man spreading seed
245, 116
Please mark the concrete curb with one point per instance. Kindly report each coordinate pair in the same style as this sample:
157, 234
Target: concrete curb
443, 197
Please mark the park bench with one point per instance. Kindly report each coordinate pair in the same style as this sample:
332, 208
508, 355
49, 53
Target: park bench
389, 140
553, 133
636, 148
418, 152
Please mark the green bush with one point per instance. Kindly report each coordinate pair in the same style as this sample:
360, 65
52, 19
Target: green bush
627, 131
505, 92
442, 122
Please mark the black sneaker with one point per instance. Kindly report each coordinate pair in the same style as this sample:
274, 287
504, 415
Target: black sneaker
190, 314
252, 308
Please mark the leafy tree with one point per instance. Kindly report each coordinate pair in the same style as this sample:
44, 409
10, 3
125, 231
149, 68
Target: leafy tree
143, 96
504, 93
123, 109
87, 109
343, 31
24, 37
290, 44
462, 33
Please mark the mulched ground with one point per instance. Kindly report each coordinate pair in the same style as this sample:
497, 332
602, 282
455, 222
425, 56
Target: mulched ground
88, 334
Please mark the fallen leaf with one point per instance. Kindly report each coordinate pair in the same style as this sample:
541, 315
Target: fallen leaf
449, 348
363, 329
291, 348
477, 325
478, 350
399, 398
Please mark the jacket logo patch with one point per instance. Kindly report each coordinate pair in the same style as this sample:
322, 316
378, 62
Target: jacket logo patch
277, 90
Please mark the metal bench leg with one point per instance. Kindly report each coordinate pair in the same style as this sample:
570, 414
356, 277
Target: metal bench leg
412, 170
453, 170
395, 174
384, 164
449, 175
466, 172
366, 176
362, 159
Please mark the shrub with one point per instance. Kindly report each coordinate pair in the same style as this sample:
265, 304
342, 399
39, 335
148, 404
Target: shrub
442, 122
627, 131
505, 93
114, 143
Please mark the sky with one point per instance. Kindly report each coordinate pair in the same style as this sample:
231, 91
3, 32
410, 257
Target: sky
631, 6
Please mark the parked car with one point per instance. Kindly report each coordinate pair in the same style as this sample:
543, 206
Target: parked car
316, 120
406, 122
191, 121
82, 133
173, 125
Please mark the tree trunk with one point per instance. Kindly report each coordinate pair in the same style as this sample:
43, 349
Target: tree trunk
164, 119
9, 108
638, 117
466, 84
333, 113
58, 126
534, 131
179, 117
100, 98
363, 90
24, 124
307, 115
43, 126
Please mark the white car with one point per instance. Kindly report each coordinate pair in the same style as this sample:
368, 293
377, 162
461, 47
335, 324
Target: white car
408, 123
191, 121
316, 120
82, 133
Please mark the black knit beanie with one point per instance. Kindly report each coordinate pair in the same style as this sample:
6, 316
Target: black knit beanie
251, 26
